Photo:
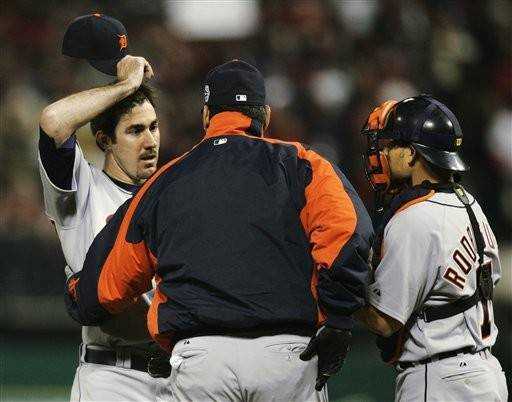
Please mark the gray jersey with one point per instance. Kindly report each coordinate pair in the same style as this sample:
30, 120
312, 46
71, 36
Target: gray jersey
429, 258
79, 215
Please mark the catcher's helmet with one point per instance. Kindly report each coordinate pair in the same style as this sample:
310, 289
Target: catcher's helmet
431, 128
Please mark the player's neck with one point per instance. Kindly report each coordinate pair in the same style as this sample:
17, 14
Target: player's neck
421, 173
112, 169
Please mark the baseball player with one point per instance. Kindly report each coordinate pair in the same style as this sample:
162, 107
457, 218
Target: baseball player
80, 198
254, 243
436, 259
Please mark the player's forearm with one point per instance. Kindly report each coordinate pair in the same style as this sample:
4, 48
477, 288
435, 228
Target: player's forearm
62, 118
376, 321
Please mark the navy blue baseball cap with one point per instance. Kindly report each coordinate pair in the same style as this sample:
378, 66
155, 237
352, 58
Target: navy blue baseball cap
98, 38
234, 83
432, 129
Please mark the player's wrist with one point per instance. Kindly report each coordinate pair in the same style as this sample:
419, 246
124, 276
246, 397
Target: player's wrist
128, 86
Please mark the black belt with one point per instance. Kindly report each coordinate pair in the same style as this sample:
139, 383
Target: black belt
439, 356
156, 365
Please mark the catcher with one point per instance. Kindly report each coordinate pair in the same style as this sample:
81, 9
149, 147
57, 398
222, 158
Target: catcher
436, 259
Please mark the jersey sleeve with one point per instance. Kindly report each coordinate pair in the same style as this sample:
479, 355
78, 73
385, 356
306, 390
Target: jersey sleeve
66, 177
340, 233
409, 265
491, 250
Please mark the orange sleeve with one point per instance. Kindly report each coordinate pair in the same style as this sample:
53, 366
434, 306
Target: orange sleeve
340, 233
329, 217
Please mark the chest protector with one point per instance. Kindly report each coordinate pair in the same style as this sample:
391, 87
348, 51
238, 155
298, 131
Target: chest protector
391, 347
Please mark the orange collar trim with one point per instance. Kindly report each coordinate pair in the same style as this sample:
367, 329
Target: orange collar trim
416, 201
228, 123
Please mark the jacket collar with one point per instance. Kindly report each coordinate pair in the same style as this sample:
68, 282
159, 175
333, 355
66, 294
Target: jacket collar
228, 123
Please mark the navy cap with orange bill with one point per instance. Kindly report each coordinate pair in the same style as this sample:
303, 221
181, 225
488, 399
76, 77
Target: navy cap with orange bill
98, 38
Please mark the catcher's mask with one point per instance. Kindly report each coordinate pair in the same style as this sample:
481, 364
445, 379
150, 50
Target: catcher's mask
376, 165
422, 122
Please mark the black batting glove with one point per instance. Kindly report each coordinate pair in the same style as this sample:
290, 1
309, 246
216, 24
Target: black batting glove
331, 345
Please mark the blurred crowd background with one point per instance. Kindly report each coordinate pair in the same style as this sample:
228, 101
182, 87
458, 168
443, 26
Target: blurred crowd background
327, 63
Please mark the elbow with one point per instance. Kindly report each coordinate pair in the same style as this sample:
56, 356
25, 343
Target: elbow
49, 121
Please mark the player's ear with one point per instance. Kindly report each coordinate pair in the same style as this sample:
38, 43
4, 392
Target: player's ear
103, 140
414, 155
206, 117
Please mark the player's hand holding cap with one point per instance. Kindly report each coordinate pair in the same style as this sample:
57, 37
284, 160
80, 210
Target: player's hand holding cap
331, 345
98, 38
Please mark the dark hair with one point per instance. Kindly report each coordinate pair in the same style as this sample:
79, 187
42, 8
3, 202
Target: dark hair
108, 120
258, 113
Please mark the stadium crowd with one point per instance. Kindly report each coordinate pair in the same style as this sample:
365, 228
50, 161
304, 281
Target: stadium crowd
327, 63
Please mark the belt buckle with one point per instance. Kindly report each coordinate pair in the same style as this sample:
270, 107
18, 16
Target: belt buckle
123, 359
159, 367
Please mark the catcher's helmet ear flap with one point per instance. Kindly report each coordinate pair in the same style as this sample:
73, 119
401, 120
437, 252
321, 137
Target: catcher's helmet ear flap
431, 128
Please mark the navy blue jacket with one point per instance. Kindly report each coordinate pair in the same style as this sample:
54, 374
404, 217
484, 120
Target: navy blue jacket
240, 233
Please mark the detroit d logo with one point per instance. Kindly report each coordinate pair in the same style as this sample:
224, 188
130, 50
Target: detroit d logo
123, 42
206, 93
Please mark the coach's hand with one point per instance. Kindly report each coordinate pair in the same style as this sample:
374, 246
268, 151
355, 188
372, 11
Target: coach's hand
331, 345
133, 70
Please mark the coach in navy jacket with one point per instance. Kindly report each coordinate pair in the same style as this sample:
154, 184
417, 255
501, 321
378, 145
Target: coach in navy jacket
242, 233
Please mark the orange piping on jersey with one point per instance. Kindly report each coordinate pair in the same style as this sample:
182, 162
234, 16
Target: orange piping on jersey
321, 316
415, 201
72, 287
163, 339
125, 274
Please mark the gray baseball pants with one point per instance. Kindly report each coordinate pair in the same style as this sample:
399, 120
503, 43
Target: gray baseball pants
465, 377
224, 368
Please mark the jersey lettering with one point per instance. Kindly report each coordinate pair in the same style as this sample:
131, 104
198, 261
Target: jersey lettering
454, 278
462, 262
468, 247
464, 257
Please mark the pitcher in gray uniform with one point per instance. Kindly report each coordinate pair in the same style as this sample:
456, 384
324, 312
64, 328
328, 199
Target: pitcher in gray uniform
79, 198
435, 259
